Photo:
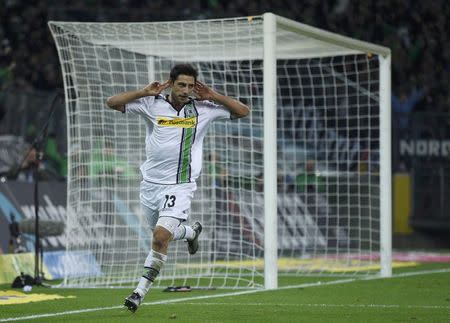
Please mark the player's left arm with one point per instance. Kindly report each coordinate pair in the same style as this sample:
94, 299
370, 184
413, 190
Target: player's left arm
237, 108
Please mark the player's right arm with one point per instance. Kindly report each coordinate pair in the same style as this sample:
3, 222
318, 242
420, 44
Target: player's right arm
118, 101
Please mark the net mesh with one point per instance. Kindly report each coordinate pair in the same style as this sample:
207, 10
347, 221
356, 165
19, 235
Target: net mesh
327, 148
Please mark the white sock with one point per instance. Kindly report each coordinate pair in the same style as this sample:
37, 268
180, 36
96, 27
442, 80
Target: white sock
183, 232
153, 264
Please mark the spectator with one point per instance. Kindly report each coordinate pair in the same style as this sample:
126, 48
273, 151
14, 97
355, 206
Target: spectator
2, 110
15, 242
53, 158
27, 168
404, 105
107, 162
309, 181
14, 227
7, 64
216, 171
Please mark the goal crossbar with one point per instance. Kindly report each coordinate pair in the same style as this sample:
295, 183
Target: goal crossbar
294, 40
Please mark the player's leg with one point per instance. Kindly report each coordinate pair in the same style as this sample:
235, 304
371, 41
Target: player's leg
162, 235
135, 299
188, 233
193, 243
177, 204
172, 210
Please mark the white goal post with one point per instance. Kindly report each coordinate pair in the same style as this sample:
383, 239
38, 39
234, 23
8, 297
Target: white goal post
302, 186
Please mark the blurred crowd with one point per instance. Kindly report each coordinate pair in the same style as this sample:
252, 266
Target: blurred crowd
416, 31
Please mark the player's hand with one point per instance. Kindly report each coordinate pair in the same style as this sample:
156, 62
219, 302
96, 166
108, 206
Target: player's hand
203, 92
155, 88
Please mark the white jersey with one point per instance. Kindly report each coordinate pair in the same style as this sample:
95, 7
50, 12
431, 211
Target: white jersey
174, 139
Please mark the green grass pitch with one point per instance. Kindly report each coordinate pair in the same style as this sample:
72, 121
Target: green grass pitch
418, 294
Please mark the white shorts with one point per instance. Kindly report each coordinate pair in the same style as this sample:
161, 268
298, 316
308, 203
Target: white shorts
166, 200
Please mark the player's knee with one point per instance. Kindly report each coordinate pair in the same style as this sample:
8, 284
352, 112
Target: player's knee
161, 238
168, 223
160, 244
160, 241
161, 235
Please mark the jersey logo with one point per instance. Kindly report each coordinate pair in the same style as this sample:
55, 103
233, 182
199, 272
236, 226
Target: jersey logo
177, 122
189, 111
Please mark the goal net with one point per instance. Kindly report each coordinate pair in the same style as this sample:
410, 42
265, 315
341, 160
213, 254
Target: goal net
329, 98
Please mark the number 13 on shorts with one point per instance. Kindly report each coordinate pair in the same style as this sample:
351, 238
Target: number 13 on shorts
175, 201
170, 201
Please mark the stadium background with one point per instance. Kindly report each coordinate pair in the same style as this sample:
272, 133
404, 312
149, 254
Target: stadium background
416, 32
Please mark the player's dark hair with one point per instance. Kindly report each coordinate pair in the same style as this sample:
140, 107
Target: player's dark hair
183, 69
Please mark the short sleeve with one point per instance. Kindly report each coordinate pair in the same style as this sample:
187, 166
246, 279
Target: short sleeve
140, 106
217, 111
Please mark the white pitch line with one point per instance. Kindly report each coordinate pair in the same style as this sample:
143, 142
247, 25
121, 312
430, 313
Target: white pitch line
423, 272
324, 305
186, 299
38, 316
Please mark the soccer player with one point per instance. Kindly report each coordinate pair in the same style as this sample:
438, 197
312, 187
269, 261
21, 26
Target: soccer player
176, 125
